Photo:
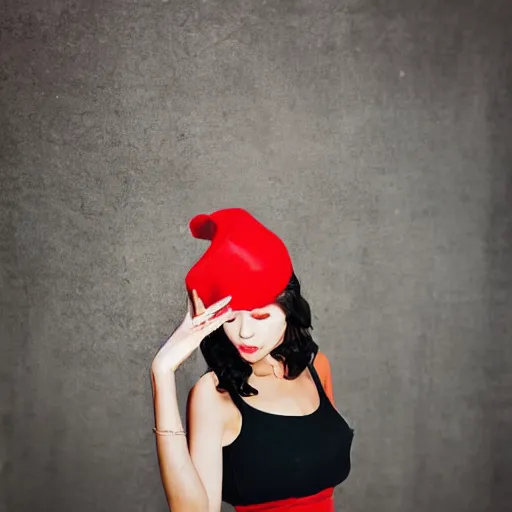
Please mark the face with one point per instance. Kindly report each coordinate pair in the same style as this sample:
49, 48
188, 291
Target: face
256, 333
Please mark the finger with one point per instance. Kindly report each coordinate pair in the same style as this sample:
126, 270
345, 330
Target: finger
217, 306
190, 306
213, 310
224, 314
214, 323
201, 319
198, 304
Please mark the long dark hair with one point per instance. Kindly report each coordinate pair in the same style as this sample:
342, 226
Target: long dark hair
295, 352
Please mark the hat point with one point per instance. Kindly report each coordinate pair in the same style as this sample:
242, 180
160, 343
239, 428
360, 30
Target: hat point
203, 227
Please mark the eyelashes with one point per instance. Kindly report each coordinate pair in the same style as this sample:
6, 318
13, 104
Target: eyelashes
256, 316
260, 316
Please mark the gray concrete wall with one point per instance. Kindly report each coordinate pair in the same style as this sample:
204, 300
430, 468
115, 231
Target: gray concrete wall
373, 136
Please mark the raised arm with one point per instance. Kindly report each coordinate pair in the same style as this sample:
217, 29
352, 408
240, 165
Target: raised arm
206, 422
182, 480
183, 487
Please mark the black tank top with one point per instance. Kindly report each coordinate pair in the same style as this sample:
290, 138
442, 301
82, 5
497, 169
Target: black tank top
278, 457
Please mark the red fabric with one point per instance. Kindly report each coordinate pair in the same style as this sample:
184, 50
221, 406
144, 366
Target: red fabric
245, 260
321, 502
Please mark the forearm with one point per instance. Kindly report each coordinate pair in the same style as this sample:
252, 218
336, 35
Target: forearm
182, 484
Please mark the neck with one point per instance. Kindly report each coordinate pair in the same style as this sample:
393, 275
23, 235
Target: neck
268, 368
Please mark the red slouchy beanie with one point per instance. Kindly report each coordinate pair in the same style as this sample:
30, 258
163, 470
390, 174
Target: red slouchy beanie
245, 260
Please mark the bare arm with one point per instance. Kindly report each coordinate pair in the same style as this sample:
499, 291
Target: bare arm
183, 487
207, 419
190, 485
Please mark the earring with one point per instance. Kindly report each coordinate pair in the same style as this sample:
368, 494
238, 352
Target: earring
278, 370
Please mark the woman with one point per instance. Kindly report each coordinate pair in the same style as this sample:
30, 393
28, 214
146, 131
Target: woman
263, 431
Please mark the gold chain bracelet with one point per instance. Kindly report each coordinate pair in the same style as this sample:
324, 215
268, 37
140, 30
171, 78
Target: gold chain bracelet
169, 432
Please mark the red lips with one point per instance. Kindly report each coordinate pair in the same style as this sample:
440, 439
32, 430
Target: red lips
247, 349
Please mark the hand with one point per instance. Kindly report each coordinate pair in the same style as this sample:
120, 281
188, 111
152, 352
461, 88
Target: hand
197, 324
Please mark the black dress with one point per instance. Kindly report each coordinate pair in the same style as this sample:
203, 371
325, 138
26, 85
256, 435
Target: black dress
277, 457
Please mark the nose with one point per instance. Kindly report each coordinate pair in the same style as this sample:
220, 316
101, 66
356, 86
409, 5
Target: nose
246, 330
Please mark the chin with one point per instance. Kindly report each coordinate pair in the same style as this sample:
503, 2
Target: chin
255, 357
251, 358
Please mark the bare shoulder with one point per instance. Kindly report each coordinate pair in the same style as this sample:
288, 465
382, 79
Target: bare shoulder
205, 389
322, 364
321, 358
205, 396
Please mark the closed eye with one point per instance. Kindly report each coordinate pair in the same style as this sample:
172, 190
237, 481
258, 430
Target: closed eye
260, 316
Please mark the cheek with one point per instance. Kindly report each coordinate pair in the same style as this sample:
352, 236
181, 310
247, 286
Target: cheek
274, 329
229, 330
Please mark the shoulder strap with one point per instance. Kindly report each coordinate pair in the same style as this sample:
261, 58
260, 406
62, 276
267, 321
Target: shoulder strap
237, 399
317, 380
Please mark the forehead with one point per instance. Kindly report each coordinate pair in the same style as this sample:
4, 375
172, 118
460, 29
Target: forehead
266, 307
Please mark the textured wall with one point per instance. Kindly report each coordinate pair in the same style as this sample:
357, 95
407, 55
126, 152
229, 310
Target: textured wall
372, 135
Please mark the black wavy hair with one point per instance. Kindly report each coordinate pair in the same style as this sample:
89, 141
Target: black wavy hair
295, 352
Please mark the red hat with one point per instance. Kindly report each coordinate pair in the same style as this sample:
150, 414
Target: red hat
245, 260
